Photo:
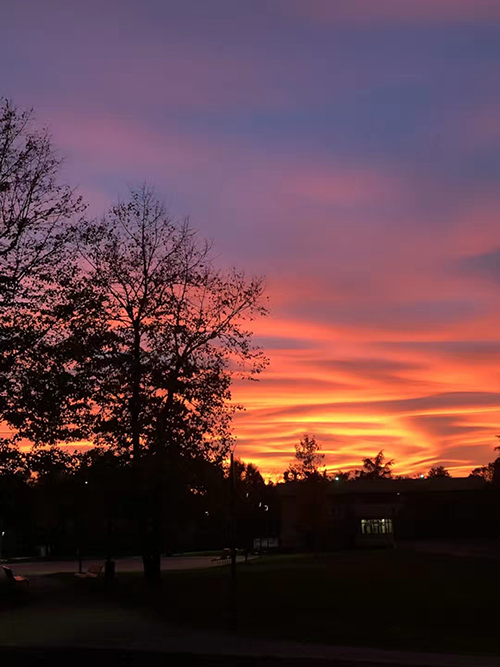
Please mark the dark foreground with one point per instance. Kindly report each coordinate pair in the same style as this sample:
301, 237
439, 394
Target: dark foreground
116, 658
388, 599
386, 607
83, 657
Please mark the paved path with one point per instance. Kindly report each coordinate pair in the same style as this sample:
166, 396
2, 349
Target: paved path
122, 565
55, 618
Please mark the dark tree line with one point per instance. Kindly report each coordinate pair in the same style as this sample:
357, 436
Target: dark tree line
59, 503
491, 471
120, 332
308, 465
309, 461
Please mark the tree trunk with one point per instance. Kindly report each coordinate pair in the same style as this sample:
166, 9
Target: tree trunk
146, 521
162, 436
136, 394
151, 536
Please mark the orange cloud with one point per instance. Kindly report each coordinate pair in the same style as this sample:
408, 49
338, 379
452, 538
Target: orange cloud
348, 149
426, 397
382, 335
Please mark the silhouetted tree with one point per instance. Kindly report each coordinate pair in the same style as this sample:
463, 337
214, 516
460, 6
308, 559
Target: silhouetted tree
34, 207
152, 337
340, 476
51, 461
308, 460
376, 468
491, 471
12, 460
163, 331
438, 471
487, 472
253, 507
248, 477
35, 212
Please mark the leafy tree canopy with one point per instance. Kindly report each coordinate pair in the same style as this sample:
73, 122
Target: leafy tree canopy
438, 471
308, 459
377, 467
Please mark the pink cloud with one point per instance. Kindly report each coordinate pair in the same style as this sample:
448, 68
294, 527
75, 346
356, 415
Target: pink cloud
111, 143
336, 185
340, 266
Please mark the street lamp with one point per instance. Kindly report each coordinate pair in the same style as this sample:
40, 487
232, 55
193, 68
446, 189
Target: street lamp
80, 521
1, 540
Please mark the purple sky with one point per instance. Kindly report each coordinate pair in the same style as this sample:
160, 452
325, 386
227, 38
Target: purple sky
347, 149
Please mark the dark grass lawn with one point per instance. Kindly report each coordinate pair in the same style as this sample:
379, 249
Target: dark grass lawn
13, 596
391, 599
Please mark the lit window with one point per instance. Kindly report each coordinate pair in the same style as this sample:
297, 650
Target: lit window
376, 526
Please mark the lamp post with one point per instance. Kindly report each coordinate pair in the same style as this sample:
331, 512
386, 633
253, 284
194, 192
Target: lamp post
1, 541
232, 534
80, 522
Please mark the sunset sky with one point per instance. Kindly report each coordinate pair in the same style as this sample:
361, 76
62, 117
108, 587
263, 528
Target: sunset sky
347, 149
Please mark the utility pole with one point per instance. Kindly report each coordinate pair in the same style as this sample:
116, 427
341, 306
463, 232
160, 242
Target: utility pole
232, 523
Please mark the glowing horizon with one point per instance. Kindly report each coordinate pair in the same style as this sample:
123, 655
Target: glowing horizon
349, 151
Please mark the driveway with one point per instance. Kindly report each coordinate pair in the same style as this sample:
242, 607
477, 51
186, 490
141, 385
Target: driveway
122, 564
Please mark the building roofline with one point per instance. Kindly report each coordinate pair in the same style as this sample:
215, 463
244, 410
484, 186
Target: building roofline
435, 484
